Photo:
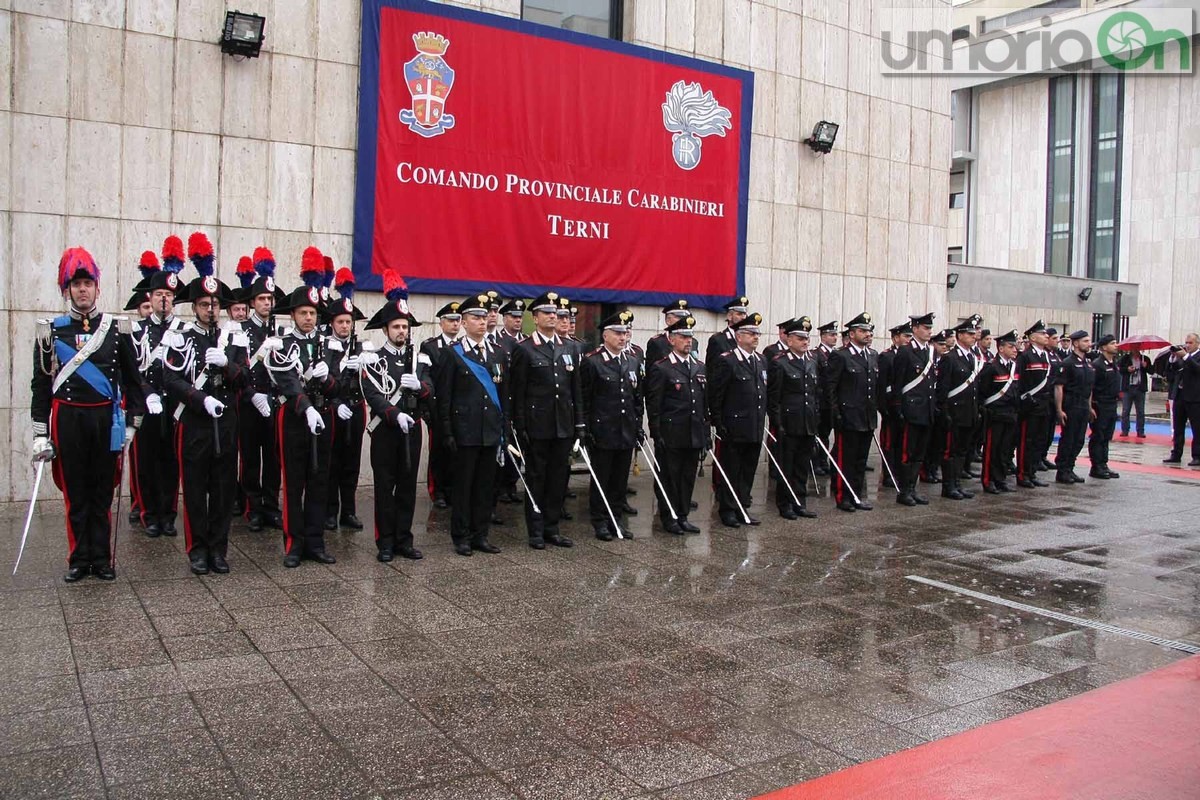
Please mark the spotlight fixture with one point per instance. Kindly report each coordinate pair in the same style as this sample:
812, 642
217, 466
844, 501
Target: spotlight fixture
951, 280
822, 137
243, 34
1085, 293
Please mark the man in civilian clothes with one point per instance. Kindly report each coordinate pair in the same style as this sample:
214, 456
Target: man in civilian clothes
1185, 365
1135, 371
737, 406
914, 398
998, 402
793, 406
440, 474
1105, 395
677, 413
1035, 393
851, 386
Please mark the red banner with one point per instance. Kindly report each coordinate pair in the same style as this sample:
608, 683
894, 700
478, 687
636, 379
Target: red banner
495, 153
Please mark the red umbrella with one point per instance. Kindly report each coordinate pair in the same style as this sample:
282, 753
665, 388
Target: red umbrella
1144, 342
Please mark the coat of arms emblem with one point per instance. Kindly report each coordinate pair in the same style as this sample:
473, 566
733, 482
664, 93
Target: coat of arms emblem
429, 79
690, 113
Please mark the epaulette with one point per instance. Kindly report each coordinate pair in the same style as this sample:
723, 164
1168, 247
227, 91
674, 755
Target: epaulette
124, 326
43, 329
423, 358
334, 345
591, 353
174, 339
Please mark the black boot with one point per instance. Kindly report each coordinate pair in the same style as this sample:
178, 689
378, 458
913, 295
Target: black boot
950, 472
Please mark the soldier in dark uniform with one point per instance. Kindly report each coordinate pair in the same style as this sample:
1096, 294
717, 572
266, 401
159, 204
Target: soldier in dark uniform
914, 401
957, 395
1057, 354
471, 417
82, 362
851, 382
397, 389
547, 416
997, 396
350, 412
139, 302
1073, 405
724, 341
204, 367
891, 426
257, 446
793, 406
659, 345
677, 412
974, 453
1105, 394
158, 465
829, 342
780, 345
439, 476
612, 409
1036, 398
507, 336
306, 387
737, 406
931, 467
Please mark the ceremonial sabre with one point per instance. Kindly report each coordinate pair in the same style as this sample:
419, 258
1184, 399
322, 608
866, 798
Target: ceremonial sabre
588, 461
721, 469
779, 469
512, 448
834, 463
883, 458
37, 483
653, 464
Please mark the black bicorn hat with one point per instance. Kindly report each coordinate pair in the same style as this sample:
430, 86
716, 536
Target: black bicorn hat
740, 303
136, 299
391, 310
546, 301
752, 323
679, 307
301, 297
207, 286
476, 304
1037, 327
516, 307
1007, 338
335, 308
902, 328
264, 265
829, 327
921, 319
449, 311
618, 322
799, 326
862, 321
684, 326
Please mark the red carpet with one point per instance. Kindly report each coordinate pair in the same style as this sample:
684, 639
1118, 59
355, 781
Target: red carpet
1166, 470
1134, 740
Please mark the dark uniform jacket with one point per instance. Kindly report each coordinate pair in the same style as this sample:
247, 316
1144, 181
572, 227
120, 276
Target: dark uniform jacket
1034, 375
737, 396
676, 403
822, 355
1187, 381
257, 332
850, 389
465, 411
545, 388
773, 350
153, 329
612, 398
656, 350
396, 363
1078, 378
992, 382
956, 392
336, 353
184, 364
918, 405
291, 363
793, 395
1109, 379
718, 343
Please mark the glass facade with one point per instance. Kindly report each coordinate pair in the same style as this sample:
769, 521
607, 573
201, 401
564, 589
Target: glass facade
1108, 95
1060, 176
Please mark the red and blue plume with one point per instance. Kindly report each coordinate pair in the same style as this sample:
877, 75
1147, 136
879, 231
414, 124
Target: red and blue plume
312, 268
75, 260
245, 271
394, 287
329, 272
149, 264
200, 253
344, 283
172, 254
264, 262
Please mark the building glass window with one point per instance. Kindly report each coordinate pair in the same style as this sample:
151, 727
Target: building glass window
1108, 100
1060, 176
597, 17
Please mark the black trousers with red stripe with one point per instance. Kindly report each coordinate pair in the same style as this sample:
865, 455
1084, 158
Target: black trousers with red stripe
957, 442
851, 449
395, 490
346, 461
259, 476
999, 437
1031, 439
158, 468
914, 443
209, 481
439, 475
795, 454
86, 471
305, 485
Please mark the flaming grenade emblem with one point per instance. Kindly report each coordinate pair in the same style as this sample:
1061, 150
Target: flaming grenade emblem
690, 113
429, 79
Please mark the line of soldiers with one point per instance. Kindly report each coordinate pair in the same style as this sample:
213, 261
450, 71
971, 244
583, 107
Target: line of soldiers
196, 399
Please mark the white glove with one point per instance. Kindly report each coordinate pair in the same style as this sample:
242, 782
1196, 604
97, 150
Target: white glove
409, 381
313, 418
321, 371
344, 412
153, 404
368, 358
351, 363
43, 450
215, 357
213, 406
129, 432
262, 403
404, 421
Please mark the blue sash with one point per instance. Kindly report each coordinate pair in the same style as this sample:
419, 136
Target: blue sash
481, 374
96, 379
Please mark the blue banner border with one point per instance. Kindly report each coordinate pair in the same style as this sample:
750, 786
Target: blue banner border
368, 117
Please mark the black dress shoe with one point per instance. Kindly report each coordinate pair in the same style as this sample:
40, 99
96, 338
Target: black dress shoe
1098, 474
1046, 466
464, 549
673, 528
806, 513
754, 521
331, 523
537, 544
869, 468
485, 547
498, 520
930, 477
218, 564
1173, 460
605, 535
629, 510
692, 504
1195, 462
966, 493
846, 506
135, 517
321, 557
864, 506
352, 522
199, 565
921, 499
564, 514
440, 502
1111, 474
967, 472
169, 529
1062, 477
991, 489
906, 500
1025, 483
75, 574
559, 541
572, 495
951, 493
411, 553
730, 521
788, 513
629, 490
1004, 487
154, 530
291, 561
1041, 484
274, 519
820, 472
256, 522
105, 573
688, 527
384, 555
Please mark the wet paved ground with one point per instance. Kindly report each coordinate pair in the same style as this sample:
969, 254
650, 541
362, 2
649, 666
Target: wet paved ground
719, 665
